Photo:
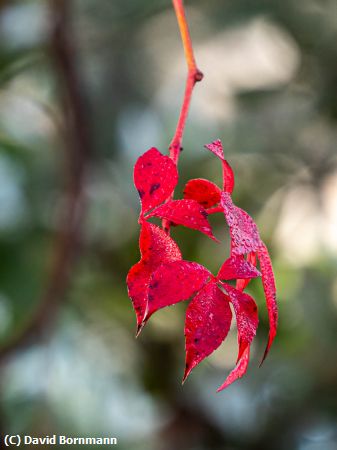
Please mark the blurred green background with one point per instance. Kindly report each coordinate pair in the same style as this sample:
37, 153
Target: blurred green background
270, 94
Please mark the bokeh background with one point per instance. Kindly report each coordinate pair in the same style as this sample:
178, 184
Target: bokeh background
85, 88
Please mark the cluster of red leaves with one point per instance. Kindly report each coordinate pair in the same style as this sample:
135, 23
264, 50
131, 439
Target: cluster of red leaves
162, 278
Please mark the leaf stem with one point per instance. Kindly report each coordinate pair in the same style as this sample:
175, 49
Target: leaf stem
214, 210
193, 76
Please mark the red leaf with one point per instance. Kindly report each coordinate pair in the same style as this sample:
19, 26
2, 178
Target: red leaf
156, 248
239, 371
228, 174
246, 316
241, 284
208, 319
228, 177
138, 280
237, 267
203, 191
216, 148
185, 212
155, 177
174, 282
270, 293
244, 234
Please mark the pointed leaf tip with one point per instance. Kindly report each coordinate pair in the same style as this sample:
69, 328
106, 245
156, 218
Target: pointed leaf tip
140, 327
227, 172
216, 148
239, 370
186, 374
271, 338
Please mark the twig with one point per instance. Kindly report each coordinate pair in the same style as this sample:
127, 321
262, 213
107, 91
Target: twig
78, 149
193, 76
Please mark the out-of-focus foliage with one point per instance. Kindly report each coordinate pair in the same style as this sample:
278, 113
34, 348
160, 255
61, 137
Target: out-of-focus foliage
270, 94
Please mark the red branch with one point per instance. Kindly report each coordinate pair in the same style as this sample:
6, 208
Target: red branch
193, 76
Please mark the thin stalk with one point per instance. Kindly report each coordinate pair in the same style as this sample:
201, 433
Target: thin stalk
193, 76
214, 210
